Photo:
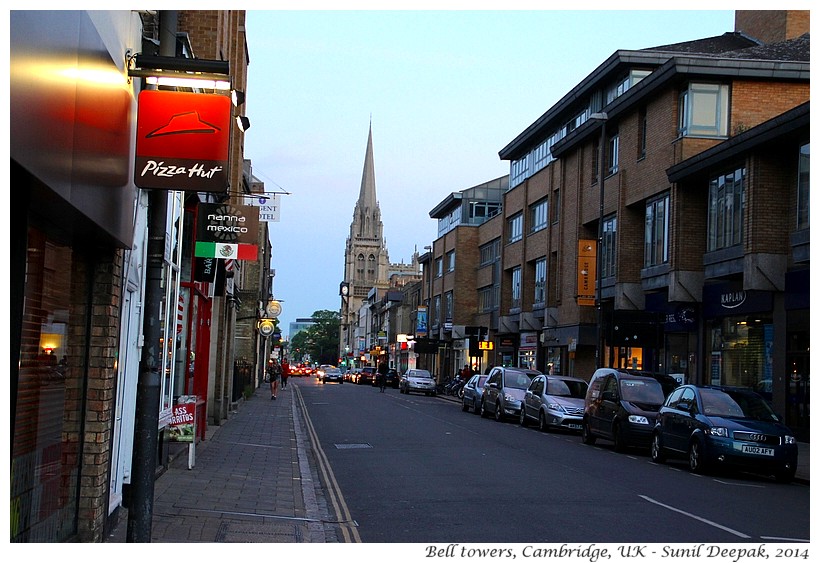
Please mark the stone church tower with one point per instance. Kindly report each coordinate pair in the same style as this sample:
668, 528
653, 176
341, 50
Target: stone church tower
366, 258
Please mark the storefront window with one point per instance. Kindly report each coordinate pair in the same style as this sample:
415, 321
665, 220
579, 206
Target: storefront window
741, 353
49, 396
172, 312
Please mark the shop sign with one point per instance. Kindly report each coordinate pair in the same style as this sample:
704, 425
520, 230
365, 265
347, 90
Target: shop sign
183, 420
227, 231
268, 207
587, 271
183, 141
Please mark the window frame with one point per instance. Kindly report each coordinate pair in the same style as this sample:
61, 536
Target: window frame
515, 228
693, 103
539, 215
656, 231
726, 210
515, 288
540, 279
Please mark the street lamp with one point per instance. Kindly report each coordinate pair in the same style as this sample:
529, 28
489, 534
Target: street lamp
599, 348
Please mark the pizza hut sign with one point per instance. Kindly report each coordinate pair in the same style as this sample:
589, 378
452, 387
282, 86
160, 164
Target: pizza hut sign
183, 141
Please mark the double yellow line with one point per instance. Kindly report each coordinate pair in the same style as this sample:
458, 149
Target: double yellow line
348, 527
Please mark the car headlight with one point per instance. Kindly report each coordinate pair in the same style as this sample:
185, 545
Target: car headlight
636, 419
510, 399
789, 440
719, 431
555, 407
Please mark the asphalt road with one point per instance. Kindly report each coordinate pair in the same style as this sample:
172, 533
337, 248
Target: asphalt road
416, 469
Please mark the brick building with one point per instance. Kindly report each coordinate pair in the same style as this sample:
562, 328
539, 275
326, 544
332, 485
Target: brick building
78, 274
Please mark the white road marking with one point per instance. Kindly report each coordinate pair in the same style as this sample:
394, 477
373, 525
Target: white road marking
690, 515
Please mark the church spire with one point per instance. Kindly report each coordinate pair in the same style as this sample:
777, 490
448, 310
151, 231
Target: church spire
367, 193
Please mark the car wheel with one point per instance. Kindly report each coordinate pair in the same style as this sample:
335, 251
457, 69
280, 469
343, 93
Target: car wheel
476, 408
542, 423
586, 435
522, 417
656, 450
697, 463
617, 438
786, 474
499, 414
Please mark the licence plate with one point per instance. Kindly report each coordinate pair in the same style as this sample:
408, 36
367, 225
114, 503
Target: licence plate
756, 450
574, 426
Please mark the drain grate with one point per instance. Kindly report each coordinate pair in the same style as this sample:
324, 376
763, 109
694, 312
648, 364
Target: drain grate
352, 446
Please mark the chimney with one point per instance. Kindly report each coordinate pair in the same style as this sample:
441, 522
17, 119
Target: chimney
772, 26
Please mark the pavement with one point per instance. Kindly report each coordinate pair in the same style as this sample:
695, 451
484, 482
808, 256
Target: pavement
255, 479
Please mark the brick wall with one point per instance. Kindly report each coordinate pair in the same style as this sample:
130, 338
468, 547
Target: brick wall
101, 388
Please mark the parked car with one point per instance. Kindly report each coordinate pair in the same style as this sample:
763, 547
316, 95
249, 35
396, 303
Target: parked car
332, 374
716, 426
621, 407
504, 391
473, 389
366, 375
554, 402
392, 378
418, 380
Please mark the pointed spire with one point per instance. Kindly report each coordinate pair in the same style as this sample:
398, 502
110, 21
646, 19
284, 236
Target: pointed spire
367, 194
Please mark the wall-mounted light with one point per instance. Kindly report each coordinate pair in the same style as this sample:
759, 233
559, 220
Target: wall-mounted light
243, 123
181, 72
237, 97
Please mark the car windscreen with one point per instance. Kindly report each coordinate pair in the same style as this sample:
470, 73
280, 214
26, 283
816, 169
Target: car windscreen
645, 392
420, 374
518, 379
561, 388
736, 404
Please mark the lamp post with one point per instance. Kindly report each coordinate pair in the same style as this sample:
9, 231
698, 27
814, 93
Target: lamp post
599, 348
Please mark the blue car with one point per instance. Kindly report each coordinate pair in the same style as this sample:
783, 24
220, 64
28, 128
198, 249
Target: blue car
717, 426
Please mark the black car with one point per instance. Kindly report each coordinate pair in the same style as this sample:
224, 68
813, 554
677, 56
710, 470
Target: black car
392, 378
621, 407
718, 426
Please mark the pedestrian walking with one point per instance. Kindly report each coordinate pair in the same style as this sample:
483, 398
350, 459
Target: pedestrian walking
285, 373
382, 369
274, 374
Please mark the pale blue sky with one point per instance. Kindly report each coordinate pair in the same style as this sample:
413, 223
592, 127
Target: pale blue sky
447, 90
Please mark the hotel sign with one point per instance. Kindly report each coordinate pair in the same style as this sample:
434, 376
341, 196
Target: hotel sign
183, 141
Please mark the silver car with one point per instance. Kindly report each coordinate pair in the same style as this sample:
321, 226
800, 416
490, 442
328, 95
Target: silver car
554, 402
473, 389
332, 374
418, 380
504, 391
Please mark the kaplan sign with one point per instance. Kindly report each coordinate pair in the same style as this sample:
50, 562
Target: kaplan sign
183, 141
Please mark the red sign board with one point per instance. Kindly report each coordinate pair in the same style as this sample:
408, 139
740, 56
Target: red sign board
183, 141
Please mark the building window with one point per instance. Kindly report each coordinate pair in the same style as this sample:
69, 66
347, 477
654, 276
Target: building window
490, 252
451, 261
435, 313
803, 188
656, 235
519, 170
556, 207
448, 306
480, 211
515, 228
727, 200
539, 215
439, 267
704, 110
540, 296
612, 154
608, 247
488, 299
516, 288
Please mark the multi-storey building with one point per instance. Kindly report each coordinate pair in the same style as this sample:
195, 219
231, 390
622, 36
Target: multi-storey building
449, 274
78, 276
613, 254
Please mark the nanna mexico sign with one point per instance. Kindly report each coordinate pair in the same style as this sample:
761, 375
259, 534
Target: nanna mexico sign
183, 141
227, 231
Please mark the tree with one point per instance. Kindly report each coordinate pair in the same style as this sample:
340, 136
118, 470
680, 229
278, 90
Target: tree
320, 340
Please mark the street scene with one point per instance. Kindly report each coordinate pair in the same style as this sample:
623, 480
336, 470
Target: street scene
418, 469
423, 283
